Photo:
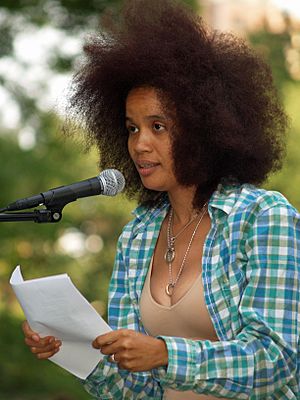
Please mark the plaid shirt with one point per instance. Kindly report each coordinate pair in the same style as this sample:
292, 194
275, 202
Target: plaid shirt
250, 269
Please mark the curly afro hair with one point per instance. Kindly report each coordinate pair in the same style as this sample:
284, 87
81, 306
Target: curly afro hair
229, 121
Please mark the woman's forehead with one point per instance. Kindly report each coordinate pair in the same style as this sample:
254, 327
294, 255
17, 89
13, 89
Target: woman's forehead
150, 100
144, 98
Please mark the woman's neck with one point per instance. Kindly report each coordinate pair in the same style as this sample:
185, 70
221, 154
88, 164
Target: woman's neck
181, 201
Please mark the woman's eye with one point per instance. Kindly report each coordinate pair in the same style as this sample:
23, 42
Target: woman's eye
158, 127
132, 129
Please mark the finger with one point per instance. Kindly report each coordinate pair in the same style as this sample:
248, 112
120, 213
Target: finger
103, 340
98, 343
28, 332
123, 341
41, 343
110, 337
46, 355
43, 349
37, 351
43, 346
109, 349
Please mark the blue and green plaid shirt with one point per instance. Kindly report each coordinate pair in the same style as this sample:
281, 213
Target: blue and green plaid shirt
251, 277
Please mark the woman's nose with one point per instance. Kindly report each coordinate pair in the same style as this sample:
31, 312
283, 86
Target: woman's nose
142, 142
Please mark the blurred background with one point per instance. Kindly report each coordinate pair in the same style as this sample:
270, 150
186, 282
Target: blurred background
40, 46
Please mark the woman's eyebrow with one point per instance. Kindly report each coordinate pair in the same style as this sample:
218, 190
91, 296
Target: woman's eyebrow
160, 117
148, 117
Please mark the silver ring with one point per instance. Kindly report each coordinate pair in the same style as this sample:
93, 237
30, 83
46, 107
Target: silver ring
113, 358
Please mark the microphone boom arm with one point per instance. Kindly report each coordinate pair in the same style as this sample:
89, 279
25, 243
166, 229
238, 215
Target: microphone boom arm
39, 216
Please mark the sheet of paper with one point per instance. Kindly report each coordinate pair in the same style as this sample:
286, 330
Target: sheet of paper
54, 306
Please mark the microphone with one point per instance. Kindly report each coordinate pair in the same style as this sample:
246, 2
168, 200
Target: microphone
108, 183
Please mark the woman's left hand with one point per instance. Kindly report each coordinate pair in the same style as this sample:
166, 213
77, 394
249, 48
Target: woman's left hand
132, 350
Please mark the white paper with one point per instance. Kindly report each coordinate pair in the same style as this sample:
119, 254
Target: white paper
54, 306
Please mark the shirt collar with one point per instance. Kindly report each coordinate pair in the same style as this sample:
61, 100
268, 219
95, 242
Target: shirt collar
223, 199
145, 214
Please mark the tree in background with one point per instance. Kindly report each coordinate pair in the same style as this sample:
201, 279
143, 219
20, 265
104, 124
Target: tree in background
282, 52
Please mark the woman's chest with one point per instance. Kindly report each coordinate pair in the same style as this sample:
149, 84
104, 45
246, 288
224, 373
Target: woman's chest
177, 276
221, 265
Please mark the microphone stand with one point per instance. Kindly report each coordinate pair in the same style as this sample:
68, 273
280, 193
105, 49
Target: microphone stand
53, 214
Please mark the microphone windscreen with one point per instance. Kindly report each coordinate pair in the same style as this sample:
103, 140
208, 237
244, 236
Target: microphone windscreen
113, 182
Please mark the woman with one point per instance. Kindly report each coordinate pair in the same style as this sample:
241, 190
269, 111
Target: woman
204, 295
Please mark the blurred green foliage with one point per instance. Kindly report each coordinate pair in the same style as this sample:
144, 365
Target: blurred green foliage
22, 377
274, 49
273, 46
54, 161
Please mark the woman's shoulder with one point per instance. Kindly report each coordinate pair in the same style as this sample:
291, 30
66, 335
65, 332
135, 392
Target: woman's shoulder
249, 199
143, 215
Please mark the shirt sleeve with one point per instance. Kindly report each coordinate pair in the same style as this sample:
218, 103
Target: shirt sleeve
107, 381
261, 361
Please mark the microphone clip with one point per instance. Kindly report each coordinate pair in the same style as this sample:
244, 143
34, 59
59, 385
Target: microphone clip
51, 214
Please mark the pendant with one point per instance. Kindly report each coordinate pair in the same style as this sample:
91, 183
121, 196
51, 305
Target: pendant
170, 255
169, 289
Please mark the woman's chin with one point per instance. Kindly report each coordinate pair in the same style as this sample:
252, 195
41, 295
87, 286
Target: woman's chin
154, 186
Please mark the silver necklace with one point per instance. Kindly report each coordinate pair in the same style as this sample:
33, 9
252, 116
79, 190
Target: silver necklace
171, 284
170, 253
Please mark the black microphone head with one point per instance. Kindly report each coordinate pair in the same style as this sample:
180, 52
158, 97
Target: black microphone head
113, 182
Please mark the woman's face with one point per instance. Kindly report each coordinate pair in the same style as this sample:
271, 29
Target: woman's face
149, 139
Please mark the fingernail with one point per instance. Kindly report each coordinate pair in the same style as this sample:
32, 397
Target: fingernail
51, 340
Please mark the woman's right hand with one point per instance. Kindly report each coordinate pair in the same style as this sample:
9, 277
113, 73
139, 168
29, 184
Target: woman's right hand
44, 347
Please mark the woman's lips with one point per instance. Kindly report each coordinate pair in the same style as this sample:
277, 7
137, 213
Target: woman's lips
146, 168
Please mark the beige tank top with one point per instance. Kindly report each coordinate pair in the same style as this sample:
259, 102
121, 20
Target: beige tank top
187, 318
